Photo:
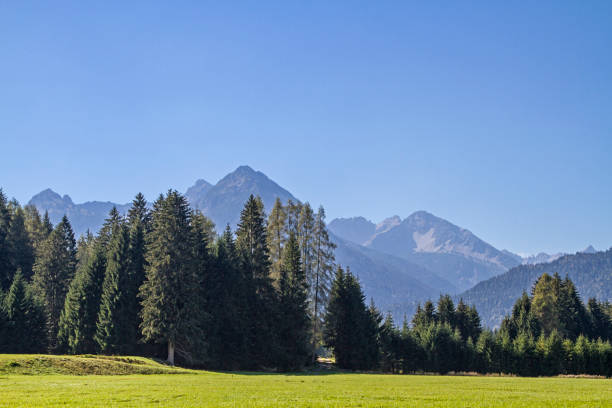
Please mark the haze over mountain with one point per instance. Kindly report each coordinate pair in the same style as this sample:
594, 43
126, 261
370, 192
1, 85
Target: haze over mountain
447, 250
494, 298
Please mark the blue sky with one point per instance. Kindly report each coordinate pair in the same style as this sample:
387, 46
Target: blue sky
497, 117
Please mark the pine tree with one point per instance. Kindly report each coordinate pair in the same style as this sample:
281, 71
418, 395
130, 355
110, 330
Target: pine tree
306, 226
322, 275
227, 306
5, 247
25, 330
21, 247
169, 309
53, 271
252, 250
446, 311
78, 321
139, 224
348, 329
293, 309
113, 329
276, 237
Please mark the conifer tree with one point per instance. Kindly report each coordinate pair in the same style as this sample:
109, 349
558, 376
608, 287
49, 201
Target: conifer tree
276, 236
5, 247
114, 330
139, 224
169, 310
24, 330
78, 321
21, 247
227, 306
306, 226
252, 249
293, 309
34, 226
53, 271
322, 275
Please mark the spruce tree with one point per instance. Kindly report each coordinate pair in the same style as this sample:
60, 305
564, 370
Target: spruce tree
306, 226
226, 303
169, 308
21, 247
78, 321
294, 321
114, 329
24, 330
53, 271
252, 249
5, 246
139, 224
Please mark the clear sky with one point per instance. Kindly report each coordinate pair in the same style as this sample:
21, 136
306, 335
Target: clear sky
497, 117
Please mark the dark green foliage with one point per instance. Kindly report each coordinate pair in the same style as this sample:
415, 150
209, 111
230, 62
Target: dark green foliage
254, 263
169, 293
20, 243
114, 333
293, 319
53, 271
6, 264
349, 326
79, 317
227, 308
24, 320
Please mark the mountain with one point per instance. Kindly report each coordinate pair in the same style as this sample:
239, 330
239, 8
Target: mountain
494, 298
356, 229
223, 202
395, 284
86, 216
451, 252
542, 257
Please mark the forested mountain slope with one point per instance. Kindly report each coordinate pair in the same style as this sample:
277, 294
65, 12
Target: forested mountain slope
591, 272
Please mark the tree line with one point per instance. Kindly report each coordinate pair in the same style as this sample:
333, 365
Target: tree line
548, 333
160, 281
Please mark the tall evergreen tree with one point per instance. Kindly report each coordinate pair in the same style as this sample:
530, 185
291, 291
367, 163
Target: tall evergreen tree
227, 306
348, 323
293, 320
78, 321
54, 269
114, 329
21, 246
25, 329
169, 310
306, 226
321, 276
5, 246
252, 249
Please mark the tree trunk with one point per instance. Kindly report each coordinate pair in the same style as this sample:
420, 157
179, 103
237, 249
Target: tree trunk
171, 352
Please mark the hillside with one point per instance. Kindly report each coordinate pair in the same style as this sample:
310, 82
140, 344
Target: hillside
37, 364
494, 298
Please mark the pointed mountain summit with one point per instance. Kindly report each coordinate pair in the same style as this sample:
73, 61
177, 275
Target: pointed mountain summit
451, 252
223, 202
197, 192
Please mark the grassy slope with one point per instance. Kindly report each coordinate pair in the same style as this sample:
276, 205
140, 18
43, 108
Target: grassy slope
207, 389
37, 364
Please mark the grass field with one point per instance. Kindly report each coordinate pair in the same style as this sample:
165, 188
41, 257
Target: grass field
209, 389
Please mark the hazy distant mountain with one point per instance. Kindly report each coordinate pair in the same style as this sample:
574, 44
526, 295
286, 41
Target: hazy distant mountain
395, 284
86, 216
451, 252
223, 202
589, 250
197, 192
356, 229
542, 257
494, 298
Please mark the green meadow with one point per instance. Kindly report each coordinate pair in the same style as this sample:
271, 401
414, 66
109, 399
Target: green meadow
34, 381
